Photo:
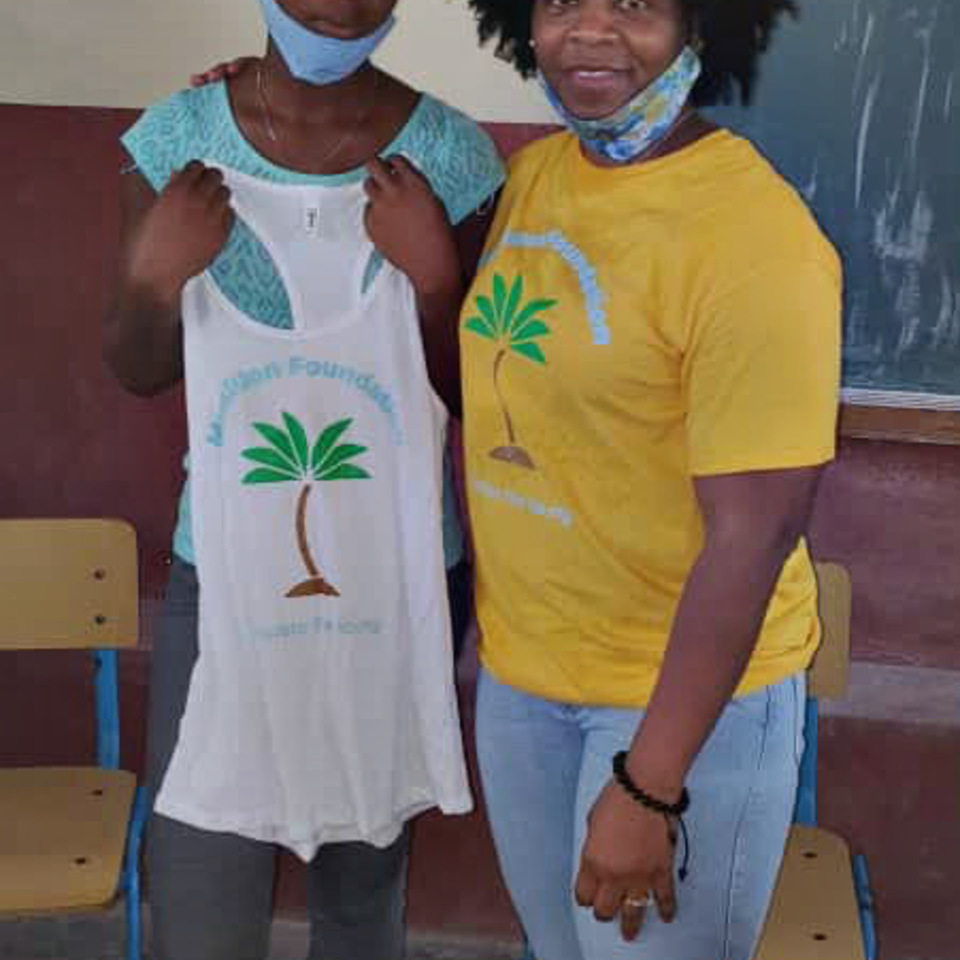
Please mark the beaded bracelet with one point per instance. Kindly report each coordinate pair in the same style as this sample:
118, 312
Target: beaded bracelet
669, 811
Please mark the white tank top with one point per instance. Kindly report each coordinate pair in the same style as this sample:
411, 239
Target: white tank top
322, 706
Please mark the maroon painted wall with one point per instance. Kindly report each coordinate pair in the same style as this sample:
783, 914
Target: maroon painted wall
75, 444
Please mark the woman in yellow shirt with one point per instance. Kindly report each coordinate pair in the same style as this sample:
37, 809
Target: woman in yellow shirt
651, 368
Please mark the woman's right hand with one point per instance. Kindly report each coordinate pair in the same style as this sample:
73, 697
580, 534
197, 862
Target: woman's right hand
182, 233
222, 71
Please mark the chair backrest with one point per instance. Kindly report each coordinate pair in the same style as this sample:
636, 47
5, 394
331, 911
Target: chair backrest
829, 676
68, 584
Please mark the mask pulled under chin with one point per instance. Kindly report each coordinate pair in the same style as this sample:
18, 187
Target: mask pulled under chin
641, 122
313, 57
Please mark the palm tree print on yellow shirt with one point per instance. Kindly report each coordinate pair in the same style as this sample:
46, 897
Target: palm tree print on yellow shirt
289, 457
515, 327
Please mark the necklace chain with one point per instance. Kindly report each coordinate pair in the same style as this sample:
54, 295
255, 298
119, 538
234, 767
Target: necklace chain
267, 116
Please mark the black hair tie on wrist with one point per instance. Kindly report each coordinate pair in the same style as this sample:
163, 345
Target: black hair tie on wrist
669, 811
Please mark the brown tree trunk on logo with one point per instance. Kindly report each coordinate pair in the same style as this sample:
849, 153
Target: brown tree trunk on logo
511, 453
316, 585
498, 363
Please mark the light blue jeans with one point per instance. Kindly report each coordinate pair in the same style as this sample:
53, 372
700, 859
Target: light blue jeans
543, 765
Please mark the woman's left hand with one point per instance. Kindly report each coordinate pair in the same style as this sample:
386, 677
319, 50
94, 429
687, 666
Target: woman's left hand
409, 226
628, 855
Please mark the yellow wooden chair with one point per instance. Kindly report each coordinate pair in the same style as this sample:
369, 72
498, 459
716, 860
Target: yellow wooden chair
70, 836
822, 908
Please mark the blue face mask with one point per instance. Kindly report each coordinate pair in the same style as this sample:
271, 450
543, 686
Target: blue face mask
314, 58
644, 120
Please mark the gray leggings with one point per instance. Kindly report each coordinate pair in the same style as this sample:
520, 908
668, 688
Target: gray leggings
211, 894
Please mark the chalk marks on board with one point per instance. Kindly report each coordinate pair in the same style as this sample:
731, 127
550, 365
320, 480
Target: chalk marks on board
858, 105
909, 54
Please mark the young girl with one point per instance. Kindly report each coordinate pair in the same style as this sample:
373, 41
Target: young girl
287, 248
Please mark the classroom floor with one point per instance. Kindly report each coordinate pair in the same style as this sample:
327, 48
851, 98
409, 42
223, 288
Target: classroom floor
100, 937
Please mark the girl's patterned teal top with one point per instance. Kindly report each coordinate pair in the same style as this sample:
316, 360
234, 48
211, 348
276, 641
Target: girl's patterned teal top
455, 155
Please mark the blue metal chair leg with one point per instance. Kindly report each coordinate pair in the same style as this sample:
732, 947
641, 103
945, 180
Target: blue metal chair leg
131, 873
806, 805
868, 925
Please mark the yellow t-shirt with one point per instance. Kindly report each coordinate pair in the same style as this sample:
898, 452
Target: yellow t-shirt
631, 329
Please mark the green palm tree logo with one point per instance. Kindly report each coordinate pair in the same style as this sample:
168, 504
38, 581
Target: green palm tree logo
515, 329
290, 458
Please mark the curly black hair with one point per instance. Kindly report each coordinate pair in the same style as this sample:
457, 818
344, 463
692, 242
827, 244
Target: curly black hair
733, 36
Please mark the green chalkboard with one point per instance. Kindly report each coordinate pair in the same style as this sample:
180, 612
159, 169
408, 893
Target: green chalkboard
858, 104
